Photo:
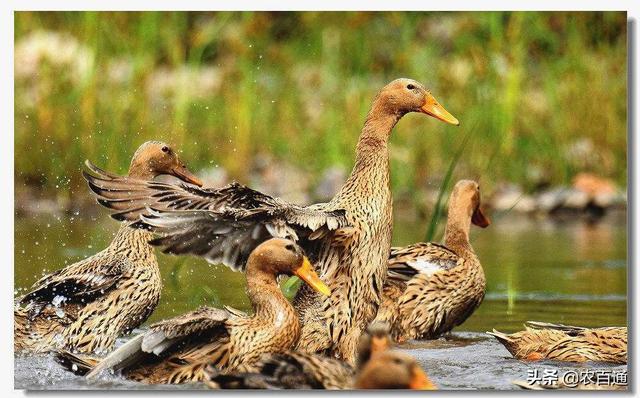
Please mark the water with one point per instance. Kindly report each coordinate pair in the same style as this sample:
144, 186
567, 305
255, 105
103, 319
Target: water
570, 272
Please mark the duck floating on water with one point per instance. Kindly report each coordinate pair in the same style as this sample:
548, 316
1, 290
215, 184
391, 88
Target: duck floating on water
541, 340
432, 288
85, 306
177, 350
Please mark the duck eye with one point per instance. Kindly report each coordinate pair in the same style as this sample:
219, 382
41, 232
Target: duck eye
165, 149
290, 247
410, 86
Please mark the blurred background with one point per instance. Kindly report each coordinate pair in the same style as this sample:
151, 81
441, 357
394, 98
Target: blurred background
277, 100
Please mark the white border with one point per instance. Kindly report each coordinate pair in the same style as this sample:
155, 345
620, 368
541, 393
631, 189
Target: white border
6, 118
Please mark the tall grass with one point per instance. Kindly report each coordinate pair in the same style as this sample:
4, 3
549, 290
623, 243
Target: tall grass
226, 86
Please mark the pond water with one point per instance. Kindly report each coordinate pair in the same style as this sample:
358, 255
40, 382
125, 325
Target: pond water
545, 270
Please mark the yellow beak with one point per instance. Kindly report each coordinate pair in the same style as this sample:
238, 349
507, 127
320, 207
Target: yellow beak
307, 274
432, 108
420, 380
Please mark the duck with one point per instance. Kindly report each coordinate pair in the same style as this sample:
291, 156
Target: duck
378, 367
177, 350
85, 306
542, 340
348, 238
431, 288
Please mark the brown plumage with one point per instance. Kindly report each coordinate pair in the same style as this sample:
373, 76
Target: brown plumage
348, 238
542, 340
432, 288
377, 368
85, 306
178, 350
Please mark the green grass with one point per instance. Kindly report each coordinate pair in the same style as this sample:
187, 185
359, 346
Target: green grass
298, 85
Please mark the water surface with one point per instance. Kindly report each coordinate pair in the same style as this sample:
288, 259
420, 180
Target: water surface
569, 272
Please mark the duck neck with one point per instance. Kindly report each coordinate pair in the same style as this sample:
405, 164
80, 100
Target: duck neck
267, 298
456, 235
372, 153
133, 242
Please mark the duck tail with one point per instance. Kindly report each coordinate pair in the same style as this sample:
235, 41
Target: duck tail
75, 363
554, 326
502, 337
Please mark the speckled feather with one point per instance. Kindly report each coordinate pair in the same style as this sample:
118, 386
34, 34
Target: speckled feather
348, 238
105, 296
542, 340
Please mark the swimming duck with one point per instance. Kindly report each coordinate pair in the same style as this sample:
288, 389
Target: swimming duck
541, 340
348, 238
178, 350
85, 306
432, 288
378, 367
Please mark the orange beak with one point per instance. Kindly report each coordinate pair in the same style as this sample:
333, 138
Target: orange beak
478, 218
184, 174
379, 344
307, 274
432, 108
420, 380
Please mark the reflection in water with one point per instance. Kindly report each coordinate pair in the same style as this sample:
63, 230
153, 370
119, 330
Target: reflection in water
536, 270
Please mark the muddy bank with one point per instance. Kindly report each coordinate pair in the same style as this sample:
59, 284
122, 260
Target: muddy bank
588, 197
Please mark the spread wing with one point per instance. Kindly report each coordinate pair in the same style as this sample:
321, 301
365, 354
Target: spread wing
130, 197
222, 225
78, 283
166, 335
420, 258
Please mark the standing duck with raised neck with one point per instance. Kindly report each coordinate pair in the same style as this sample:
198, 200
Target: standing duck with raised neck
432, 288
180, 349
348, 238
85, 306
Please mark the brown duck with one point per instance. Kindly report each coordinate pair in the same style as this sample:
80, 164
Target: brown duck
85, 306
348, 238
178, 350
378, 367
432, 288
542, 340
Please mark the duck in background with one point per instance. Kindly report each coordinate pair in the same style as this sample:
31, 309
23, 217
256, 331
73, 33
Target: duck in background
432, 288
541, 340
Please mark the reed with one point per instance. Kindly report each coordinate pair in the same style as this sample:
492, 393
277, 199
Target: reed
548, 91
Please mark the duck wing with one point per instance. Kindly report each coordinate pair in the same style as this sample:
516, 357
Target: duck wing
222, 225
79, 283
420, 258
165, 337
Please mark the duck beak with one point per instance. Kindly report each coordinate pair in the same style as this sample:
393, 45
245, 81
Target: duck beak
184, 174
307, 274
478, 218
420, 380
379, 344
432, 108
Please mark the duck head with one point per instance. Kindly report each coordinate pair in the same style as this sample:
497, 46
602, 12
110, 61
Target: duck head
403, 95
154, 158
376, 339
284, 257
393, 370
466, 197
